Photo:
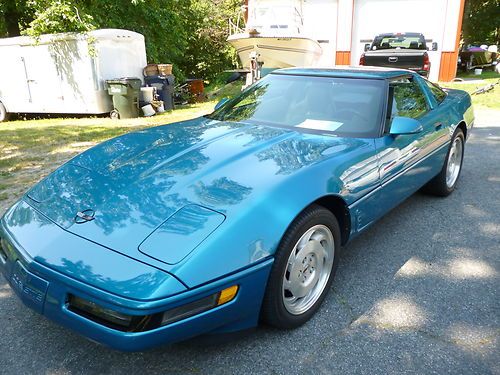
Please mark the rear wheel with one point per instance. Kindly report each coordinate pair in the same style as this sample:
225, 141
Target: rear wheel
4, 115
445, 182
114, 114
303, 270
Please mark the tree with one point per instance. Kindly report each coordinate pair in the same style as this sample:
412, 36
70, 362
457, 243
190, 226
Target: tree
191, 34
11, 18
481, 22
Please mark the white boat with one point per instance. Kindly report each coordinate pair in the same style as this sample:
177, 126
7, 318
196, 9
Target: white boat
274, 36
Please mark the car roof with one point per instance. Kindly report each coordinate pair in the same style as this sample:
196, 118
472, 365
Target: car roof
367, 72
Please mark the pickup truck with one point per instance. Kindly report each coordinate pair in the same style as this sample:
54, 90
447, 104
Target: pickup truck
399, 50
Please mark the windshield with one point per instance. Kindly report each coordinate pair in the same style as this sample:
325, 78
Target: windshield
399, 41
346, 107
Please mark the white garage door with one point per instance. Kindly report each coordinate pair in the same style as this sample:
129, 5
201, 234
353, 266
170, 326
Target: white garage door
372, 17
320, 23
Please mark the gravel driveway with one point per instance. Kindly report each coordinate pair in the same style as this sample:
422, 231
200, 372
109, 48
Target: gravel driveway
417, 293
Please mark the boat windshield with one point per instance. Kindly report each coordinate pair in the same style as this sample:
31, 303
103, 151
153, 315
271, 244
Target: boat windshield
345, 107
276, 18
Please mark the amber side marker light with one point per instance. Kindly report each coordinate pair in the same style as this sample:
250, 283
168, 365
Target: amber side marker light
227, 295
199, 306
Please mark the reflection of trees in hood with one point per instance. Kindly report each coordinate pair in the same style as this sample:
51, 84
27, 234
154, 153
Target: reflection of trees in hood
127, 180
221, 192
141, 284
293, 154
24, 215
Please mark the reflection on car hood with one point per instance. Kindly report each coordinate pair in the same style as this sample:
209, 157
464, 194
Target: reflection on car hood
135, 182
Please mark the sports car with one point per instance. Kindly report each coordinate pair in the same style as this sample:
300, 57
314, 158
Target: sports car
218, 223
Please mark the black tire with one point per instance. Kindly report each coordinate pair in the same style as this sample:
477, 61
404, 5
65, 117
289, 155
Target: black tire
273, 310
4, 115
438, 185
114, 114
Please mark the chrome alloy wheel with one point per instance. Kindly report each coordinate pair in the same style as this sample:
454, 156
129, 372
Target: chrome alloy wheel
308, 269
454, 162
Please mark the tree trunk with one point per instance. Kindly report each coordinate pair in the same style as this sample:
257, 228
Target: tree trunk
11, 17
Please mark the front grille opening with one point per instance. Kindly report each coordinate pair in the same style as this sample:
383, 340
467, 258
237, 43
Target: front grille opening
110, 318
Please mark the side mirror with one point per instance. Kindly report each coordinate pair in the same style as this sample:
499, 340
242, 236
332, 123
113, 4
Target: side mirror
221, 103
367, 47
405, 125
434, 46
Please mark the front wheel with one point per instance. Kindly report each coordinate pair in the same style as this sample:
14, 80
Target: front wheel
446, 181
303, 269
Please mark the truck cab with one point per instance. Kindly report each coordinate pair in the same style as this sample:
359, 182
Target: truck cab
399, 50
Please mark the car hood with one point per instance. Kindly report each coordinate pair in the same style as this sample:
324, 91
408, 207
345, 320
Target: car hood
134, 183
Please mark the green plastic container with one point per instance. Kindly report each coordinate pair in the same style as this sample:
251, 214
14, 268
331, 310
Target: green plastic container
125, 94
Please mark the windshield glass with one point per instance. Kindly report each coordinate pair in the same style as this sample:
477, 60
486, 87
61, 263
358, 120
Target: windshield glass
399, 41
343, 106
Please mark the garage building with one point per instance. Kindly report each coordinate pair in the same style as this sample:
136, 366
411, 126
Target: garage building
343, 27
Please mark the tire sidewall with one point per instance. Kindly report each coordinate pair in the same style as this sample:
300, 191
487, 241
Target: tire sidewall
311, 217
458, 133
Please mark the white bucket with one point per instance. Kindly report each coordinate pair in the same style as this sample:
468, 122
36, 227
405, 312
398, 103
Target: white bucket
147, 94
148, 110
478, 72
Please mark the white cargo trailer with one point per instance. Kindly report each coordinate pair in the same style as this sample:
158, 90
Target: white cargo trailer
66, 73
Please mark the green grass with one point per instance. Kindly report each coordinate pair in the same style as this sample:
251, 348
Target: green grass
490, 99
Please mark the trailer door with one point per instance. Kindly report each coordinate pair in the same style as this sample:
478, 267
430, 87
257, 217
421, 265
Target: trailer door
42, 78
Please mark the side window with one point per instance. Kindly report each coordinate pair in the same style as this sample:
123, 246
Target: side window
438, 93
408, 100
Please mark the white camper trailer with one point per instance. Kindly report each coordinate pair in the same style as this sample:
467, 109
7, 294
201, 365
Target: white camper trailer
66, 73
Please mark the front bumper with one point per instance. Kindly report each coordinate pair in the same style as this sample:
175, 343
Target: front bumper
46, 291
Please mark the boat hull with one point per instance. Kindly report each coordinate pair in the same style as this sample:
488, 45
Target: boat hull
277, 52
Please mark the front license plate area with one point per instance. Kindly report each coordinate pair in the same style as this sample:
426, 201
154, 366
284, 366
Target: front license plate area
29, 287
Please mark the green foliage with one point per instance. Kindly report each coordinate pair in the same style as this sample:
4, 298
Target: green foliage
57, 16
191, 34
481, 22
208, 52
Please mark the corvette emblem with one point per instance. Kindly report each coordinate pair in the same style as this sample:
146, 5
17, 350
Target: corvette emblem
84, 216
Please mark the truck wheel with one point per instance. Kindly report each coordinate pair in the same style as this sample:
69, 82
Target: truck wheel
114, 114
4, 115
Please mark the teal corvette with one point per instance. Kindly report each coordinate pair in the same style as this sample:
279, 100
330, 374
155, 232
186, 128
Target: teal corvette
214, 224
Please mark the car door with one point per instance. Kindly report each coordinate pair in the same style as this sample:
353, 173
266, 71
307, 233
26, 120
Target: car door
407, 161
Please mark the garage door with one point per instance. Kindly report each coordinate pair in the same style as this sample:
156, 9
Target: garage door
320, 23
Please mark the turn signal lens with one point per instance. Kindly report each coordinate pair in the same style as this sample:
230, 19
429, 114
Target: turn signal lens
227, 295
199, 306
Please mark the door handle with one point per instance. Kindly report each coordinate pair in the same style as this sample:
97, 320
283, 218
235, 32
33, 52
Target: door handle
438, 125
